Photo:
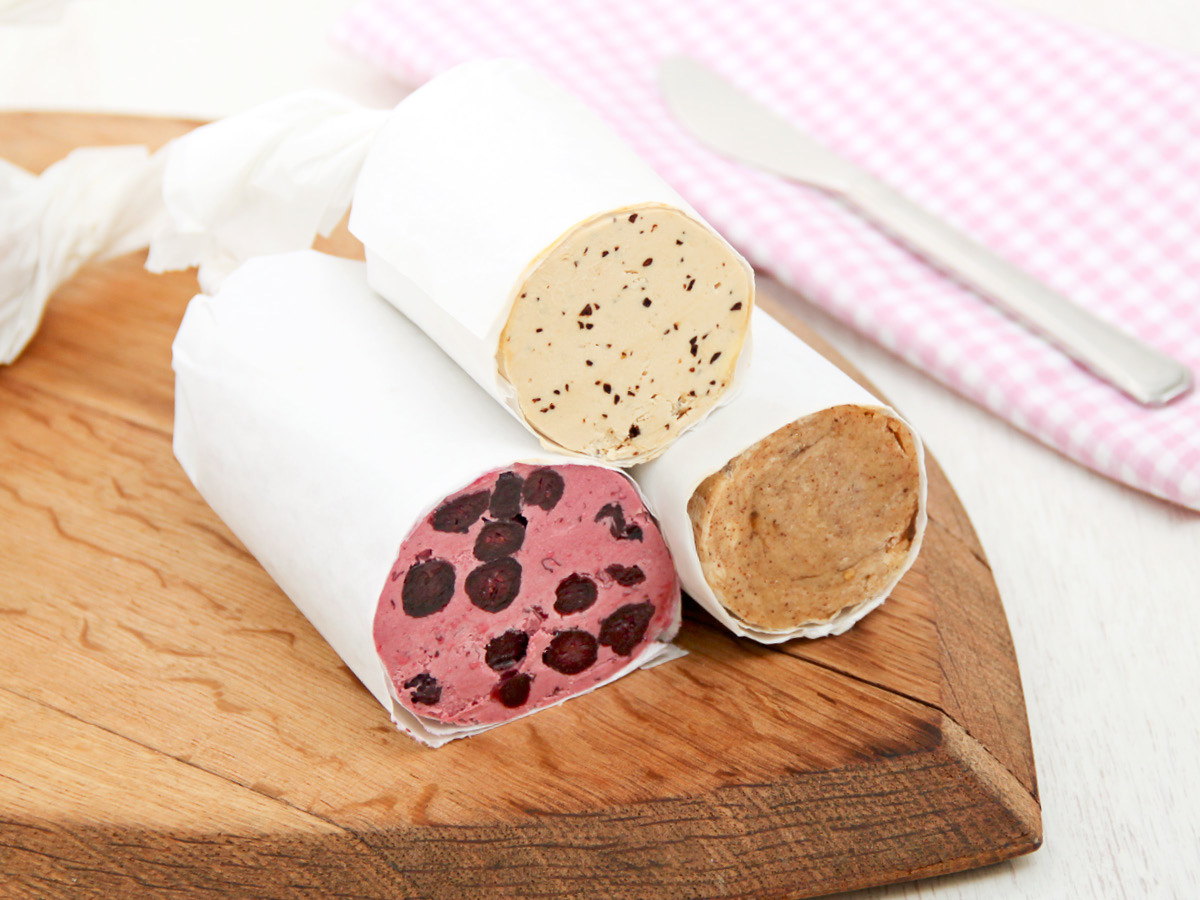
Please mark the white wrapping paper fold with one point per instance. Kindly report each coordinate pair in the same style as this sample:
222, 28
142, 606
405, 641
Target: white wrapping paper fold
788, 380
264, 181
469, 183
96, 203
321, 426
267, 180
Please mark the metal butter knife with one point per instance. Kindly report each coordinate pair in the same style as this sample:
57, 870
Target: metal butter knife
736, 126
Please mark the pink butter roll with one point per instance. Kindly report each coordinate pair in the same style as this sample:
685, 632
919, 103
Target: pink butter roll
465, 575
524, 588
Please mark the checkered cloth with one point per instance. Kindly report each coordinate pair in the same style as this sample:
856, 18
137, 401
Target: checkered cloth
1073, 155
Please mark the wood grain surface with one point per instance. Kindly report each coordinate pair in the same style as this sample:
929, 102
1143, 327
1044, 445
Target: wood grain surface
170, 725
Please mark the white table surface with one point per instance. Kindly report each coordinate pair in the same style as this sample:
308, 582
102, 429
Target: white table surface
1101, 583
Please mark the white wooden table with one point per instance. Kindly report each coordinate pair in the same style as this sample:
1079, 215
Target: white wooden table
1101, 584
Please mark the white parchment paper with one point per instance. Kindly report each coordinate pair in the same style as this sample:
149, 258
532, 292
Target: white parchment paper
267, 180
264, 181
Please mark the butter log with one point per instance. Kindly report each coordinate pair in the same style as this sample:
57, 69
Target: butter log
522, 589
795, 510
465, 575
552, 263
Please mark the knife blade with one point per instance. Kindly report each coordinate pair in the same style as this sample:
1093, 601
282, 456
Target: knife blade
735, 125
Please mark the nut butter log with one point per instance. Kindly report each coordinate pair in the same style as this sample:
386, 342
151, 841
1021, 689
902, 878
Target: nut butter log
464, 574
794, 510
552, 263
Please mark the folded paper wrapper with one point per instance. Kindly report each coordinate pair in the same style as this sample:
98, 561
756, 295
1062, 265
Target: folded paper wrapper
267, 180
95, 203
300, 398
483, 180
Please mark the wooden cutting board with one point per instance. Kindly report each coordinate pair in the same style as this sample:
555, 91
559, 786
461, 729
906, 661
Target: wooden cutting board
170, 726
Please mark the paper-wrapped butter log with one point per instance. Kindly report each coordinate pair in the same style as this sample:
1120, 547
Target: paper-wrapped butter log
463, 573
794, 510
554, 265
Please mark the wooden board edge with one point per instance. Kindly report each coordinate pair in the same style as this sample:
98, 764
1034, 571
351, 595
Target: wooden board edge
958, 798
371, 858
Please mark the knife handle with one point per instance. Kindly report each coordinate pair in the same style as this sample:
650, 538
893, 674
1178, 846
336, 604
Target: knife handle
1148, 376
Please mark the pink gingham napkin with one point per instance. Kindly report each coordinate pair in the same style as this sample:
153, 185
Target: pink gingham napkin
1076, 156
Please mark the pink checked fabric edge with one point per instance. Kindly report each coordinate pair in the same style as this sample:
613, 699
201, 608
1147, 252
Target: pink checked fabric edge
1076, 156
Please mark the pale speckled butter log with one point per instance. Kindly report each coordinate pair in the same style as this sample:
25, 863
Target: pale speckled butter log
806, 485
568, 279
322, 426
